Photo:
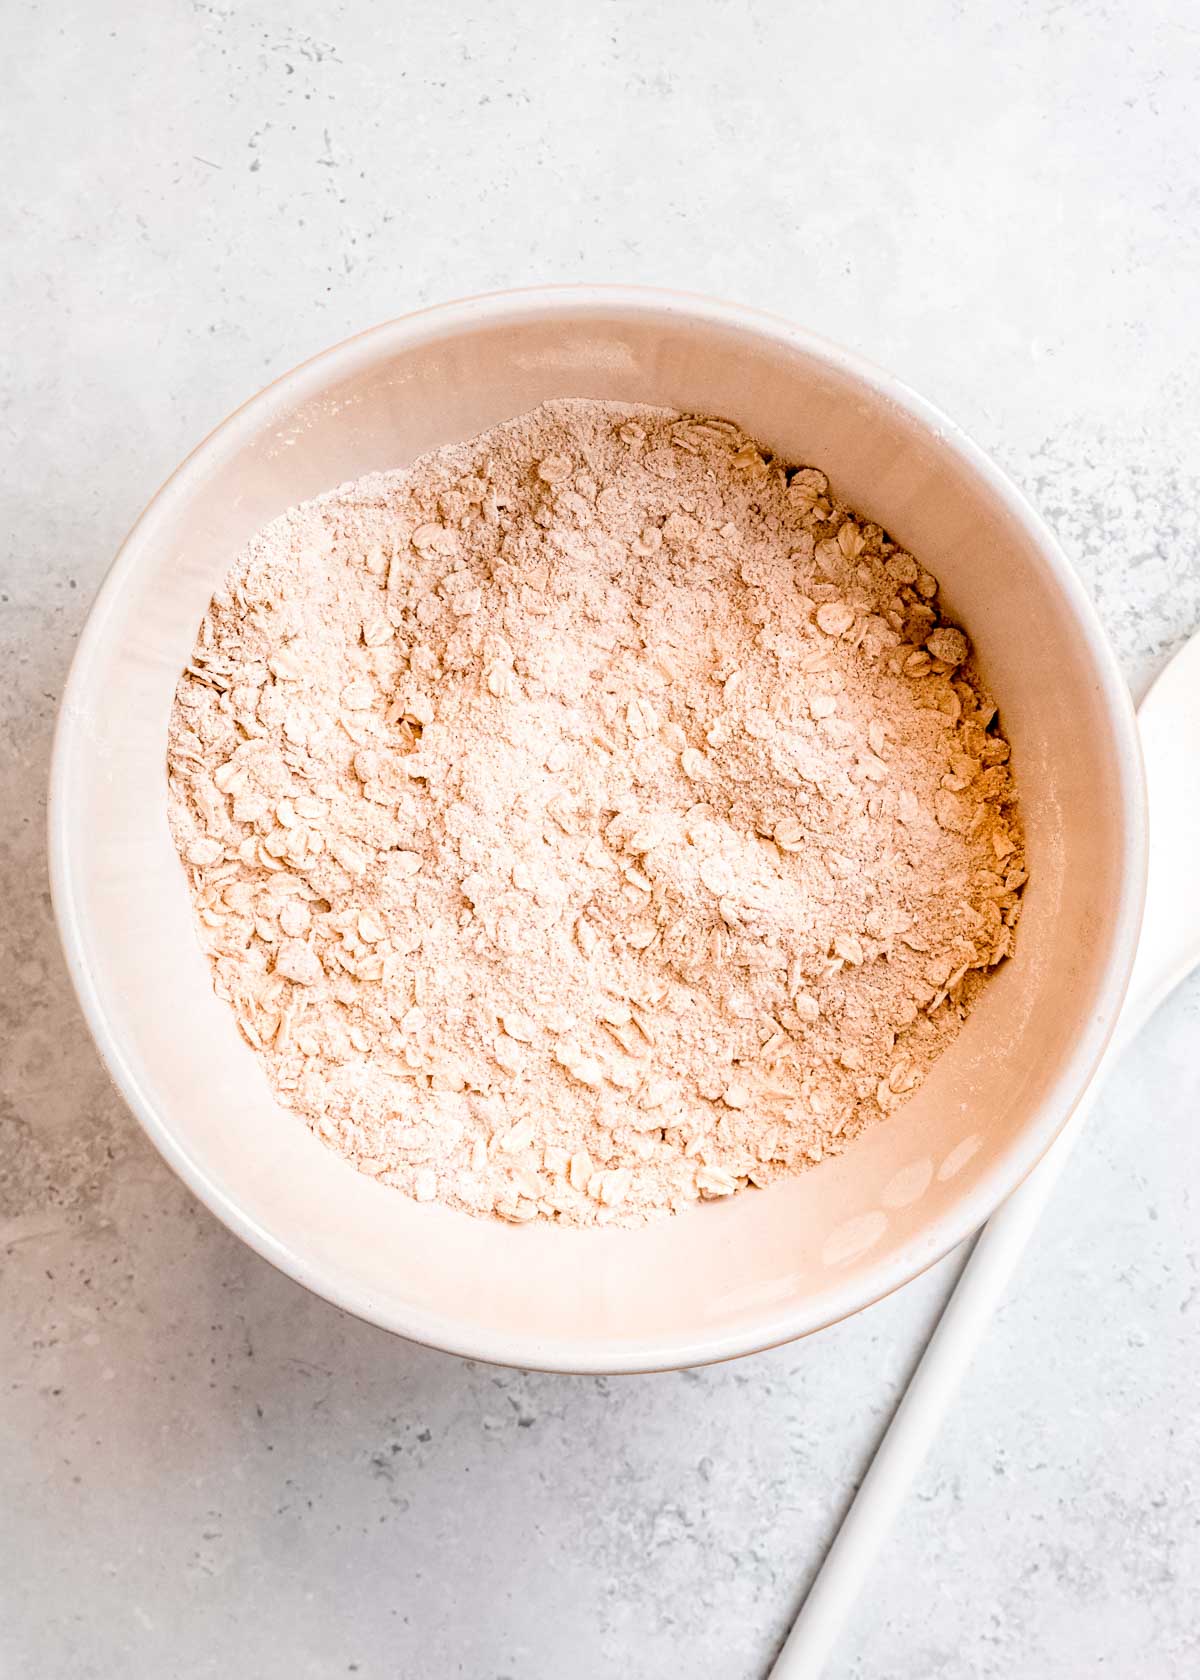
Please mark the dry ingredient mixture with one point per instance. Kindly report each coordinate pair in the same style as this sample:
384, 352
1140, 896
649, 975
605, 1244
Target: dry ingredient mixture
591, 818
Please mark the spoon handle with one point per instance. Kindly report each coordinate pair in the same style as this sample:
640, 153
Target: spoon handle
1169, 727
915, 1423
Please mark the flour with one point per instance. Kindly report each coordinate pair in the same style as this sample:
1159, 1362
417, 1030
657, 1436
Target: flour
592, 818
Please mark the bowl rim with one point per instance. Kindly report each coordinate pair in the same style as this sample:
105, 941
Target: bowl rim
693, 1346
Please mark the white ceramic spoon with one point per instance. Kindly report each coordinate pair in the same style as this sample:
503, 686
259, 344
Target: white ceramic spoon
1169, 725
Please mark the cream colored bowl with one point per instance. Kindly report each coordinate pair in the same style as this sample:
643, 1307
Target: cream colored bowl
728, 1277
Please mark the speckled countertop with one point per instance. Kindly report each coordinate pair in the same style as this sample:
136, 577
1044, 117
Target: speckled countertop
207, 1472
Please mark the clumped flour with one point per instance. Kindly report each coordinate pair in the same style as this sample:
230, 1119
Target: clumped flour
592, 818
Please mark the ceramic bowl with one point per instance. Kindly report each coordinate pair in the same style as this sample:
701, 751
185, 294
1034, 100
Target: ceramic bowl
728, 1277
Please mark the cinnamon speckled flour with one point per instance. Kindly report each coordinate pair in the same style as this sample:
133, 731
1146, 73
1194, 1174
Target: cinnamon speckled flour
591, 818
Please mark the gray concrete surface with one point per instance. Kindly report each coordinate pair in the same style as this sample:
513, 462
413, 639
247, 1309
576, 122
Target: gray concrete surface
206, 1472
